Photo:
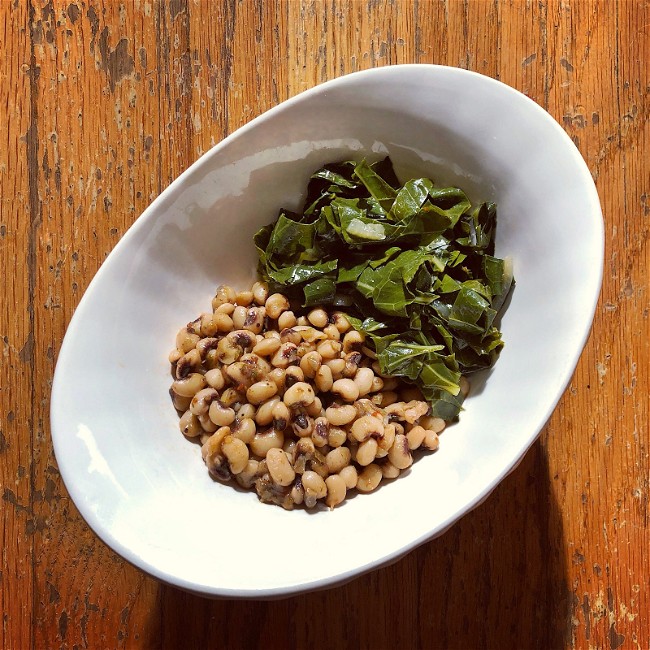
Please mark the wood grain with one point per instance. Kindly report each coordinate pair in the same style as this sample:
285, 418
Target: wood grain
105, 102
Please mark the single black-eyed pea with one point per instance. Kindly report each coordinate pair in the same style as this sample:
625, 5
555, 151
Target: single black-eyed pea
389, 470
318, 318
275, 304
211, 360
281, 416
399, 454
323, 379
264, 414
206, 345
267, 346
244, 298
186, 340
377, 384
336, 490
332, 333
279, 467
329, 349
226, 308
286, 320
277, 376
201, 401
366, 427
228, 350
180, 403
320, 432
260, 292
293, 375
305, 348
353, 341
366, 452
290, 335
340, 414
303, 453
364, 379
209, 325
347, 389
254, 320
175, 355
269, 439
302, 424
286, 354
315, 409
431, 441
189, 425
239, 317
300, 394
246, 478
214, 378
310, 364
261, 391
340, 321
189, 386
350, 475
336, 436
224, 294
244, 429
232, 397
239, 374
246, 410
220, 413
337, 459
190, 362
352, 361
297, 493
432, 423
302, 321
236, 452
415, 437
386, 441
336, 366
369, 478
314, 487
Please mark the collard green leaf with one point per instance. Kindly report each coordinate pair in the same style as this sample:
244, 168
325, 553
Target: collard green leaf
413, 266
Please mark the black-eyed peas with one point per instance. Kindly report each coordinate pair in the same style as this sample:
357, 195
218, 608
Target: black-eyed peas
293, 406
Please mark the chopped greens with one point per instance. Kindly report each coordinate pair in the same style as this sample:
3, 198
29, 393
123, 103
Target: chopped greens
413, 266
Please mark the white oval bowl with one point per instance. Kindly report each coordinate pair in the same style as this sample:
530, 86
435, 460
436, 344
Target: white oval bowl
144, 489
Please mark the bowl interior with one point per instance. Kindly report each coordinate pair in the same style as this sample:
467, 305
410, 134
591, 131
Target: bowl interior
143, 487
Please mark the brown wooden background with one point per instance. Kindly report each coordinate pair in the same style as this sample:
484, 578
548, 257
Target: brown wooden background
102, 104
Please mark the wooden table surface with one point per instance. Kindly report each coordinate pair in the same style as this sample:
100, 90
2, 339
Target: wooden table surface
105, 102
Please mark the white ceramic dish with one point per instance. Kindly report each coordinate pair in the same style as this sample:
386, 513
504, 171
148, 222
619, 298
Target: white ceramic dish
144, 489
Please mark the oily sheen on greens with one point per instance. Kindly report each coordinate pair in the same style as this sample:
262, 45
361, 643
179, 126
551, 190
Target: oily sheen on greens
413, 265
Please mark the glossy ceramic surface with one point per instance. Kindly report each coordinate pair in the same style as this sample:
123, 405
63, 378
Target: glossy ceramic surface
144, 489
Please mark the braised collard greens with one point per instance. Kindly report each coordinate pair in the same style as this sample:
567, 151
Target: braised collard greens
413, 264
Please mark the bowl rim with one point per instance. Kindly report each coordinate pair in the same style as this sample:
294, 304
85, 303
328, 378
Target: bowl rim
58, 431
